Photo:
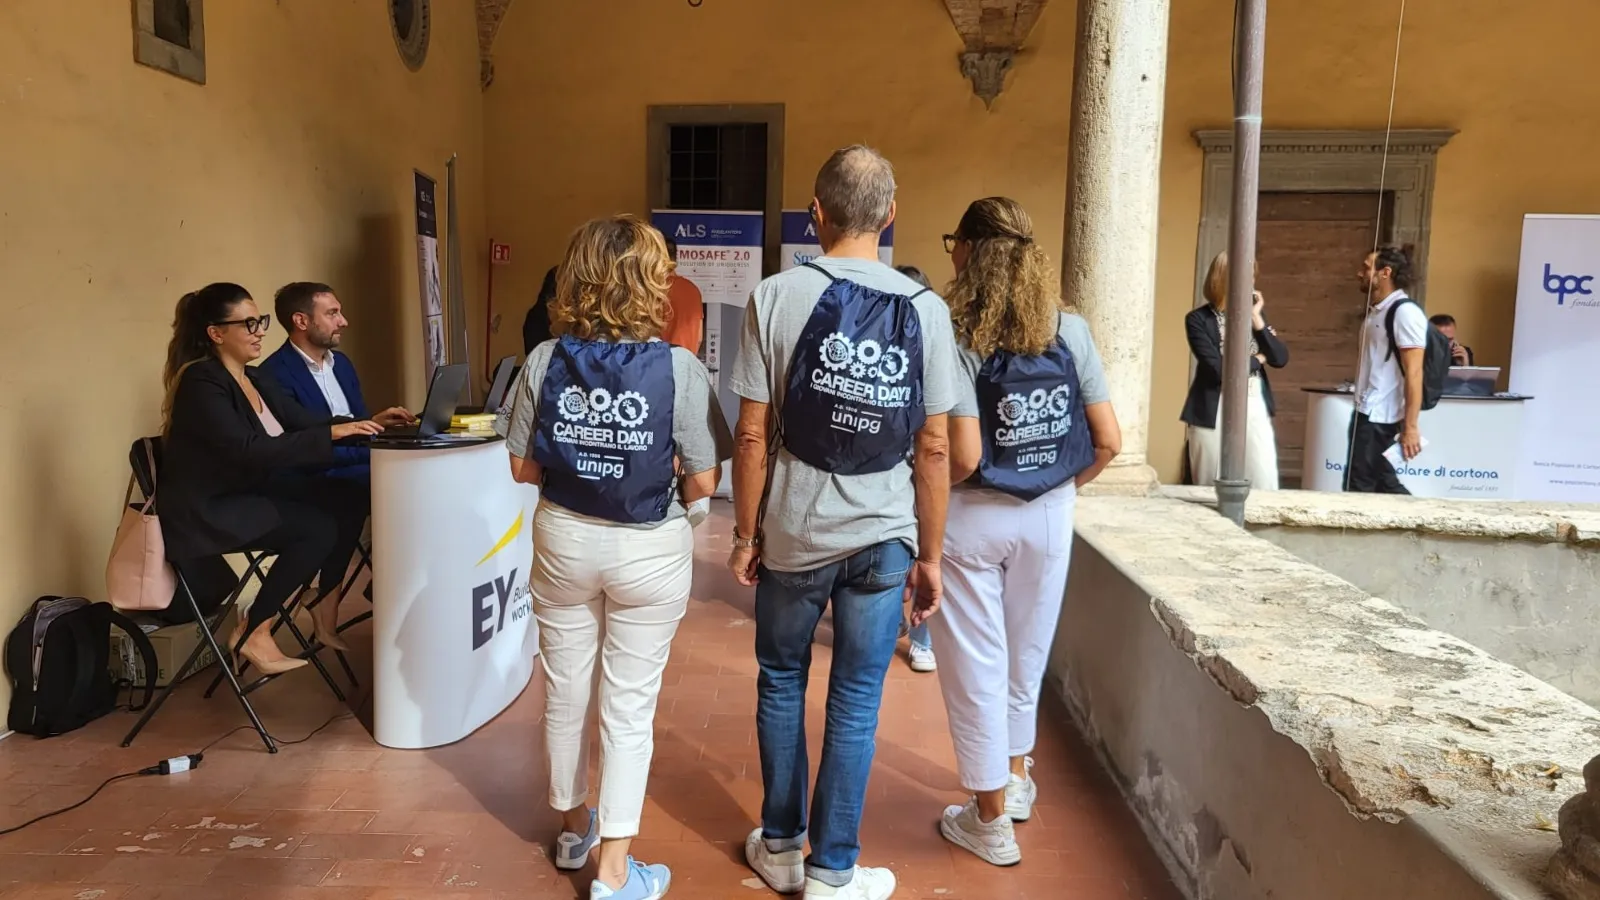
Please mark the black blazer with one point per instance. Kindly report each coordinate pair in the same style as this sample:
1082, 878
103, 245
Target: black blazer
217, 457
1205, 342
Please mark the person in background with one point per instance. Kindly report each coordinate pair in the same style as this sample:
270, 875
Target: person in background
686, 310
851, 523
920, 653
1206, 327
1032, 423
536, 324
1388, 391
309, 368
233, 470
1460, 354
613, 556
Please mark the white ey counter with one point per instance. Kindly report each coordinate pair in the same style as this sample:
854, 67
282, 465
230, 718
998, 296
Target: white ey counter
1472, 452
453, 633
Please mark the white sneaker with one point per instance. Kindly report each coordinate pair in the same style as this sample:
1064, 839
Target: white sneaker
1021, 794
572, 849
993, 842
922, 659
868, 884
783, 872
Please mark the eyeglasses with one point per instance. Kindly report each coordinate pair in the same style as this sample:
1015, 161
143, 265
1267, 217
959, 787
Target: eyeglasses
950, 241
254, 325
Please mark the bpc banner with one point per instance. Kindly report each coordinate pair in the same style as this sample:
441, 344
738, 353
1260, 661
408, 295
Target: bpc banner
800, 241
1555, 357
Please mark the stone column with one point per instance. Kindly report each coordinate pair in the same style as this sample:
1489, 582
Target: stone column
1113, 198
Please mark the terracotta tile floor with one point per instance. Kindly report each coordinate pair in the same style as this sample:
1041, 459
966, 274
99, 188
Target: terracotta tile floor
340, 817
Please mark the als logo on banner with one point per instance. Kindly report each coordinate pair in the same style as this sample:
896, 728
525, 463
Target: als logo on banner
501, 600
862, 372
603, 425
1039, 417
1564, 286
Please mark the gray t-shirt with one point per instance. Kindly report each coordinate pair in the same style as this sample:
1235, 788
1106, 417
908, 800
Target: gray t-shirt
814, 518
698, 429
1074, 332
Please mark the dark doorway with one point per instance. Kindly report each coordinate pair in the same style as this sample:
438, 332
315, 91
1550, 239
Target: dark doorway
1310, 247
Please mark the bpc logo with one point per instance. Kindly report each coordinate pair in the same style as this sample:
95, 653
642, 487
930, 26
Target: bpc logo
1564, 286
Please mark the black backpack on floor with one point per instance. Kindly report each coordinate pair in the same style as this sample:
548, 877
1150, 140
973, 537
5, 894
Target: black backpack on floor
58, 658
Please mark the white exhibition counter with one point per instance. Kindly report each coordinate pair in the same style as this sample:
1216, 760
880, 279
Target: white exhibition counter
453, 633
1472, 452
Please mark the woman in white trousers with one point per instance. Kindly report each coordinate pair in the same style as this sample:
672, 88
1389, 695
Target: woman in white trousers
1032, 422
1207, 331
621, 432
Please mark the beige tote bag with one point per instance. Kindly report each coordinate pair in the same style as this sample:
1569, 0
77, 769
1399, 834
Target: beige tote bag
138, 576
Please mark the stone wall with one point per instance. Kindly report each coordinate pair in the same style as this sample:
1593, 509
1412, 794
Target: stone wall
1517, 579
1282, 733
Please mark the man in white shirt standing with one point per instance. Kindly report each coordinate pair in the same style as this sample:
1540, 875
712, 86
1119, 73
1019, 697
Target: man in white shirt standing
1389, 381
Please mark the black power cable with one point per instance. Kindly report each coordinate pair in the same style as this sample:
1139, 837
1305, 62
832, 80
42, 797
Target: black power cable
171, 766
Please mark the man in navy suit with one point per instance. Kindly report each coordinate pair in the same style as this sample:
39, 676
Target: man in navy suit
310, 368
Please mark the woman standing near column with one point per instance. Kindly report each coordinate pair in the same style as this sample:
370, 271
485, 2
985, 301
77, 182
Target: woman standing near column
1202, 409
1032, 422
621, 432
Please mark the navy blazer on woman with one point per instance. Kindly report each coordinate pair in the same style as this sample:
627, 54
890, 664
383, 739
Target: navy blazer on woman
287, 368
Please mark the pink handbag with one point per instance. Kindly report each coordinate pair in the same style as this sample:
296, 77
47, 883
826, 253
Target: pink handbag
138, 576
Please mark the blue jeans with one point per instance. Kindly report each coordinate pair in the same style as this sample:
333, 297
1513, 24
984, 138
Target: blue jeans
866, 590
919, 636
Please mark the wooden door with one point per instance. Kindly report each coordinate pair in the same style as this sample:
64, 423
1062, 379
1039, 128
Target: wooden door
1311, 246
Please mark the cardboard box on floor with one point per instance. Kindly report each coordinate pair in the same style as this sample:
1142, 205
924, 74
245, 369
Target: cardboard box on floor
174, 643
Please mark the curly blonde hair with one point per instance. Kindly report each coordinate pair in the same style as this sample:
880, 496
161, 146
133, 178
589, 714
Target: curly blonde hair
1007, 297
612, 285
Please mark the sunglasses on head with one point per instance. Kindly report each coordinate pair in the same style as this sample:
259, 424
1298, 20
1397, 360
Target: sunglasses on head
252, 325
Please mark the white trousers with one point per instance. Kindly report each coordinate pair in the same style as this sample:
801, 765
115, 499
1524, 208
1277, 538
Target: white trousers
617, 594
1260, 445
1005, 573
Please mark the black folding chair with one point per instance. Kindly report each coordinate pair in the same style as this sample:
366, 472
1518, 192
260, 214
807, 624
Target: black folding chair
144, 457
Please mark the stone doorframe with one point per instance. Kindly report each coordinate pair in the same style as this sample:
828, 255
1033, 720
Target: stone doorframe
1327, 161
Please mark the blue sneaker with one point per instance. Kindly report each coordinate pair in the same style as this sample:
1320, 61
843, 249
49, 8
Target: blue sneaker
572, 850
644, 883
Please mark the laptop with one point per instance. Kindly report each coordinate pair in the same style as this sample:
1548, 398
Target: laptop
1471, 381
504, 372
443, 392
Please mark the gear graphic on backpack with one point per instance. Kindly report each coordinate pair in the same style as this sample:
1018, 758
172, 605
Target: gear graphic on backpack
1013, 409
894, 365
837, 351
630, 409
1060, 401
574, 404
600, 407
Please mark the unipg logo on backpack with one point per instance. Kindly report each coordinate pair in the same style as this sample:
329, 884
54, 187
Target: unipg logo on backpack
605, 429
1035, 434
853, 397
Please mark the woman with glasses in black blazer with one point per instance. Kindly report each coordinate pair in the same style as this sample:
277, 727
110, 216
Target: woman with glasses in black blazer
1202, 409
234, 467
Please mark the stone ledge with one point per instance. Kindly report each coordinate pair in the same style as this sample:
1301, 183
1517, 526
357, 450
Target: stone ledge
1561, 523
1399, 720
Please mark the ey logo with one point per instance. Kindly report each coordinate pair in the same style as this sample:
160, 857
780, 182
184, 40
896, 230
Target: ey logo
492, 599
1564, 286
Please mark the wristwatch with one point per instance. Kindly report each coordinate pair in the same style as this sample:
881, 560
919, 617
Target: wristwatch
744, 543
